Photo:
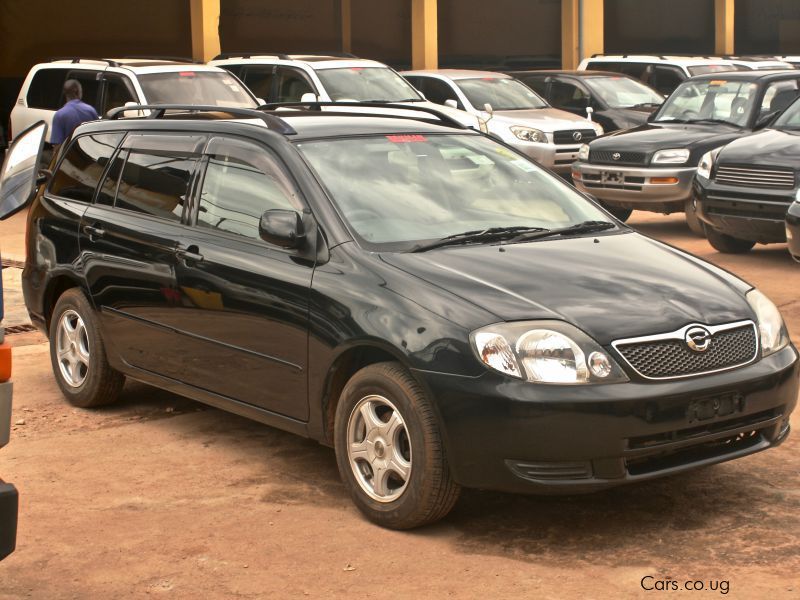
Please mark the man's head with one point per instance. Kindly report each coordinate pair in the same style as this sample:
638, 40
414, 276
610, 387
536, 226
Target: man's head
72, 90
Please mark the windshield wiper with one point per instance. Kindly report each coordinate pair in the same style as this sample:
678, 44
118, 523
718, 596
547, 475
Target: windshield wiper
477, 235
585, 227
646, 104
720, 121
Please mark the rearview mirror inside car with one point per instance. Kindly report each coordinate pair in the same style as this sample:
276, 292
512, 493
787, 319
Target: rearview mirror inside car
19, 176
282, 228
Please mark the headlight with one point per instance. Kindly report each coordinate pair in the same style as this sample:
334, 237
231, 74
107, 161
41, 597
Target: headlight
545, 352
528, 134
770, 323
583, 153
676, 156
707, 163
598, 128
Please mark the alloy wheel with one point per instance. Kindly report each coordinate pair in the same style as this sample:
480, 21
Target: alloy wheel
72, 348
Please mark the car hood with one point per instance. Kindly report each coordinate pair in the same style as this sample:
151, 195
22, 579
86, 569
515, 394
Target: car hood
651, 137
772, 148
545, 119
610, 286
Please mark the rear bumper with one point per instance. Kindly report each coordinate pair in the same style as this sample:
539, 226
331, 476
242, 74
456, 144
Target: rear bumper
519, 437
636, 189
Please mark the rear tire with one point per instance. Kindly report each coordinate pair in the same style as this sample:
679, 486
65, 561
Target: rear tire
726, 243
623, 214
389, 449
78, 355
693, 221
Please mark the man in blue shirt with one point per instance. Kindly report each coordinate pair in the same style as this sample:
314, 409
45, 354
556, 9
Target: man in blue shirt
72, 114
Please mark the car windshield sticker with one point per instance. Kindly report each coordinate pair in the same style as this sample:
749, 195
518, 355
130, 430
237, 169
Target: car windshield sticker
523, 164
405, 139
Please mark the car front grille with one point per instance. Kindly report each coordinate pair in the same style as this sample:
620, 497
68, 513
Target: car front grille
606, 157
745, 204
771, 178
668, 356
567, 136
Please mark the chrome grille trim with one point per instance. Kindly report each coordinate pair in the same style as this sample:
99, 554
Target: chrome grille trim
679, 335
756, 177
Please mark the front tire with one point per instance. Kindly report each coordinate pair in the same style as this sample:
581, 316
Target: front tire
389, 449
78, 355
726, 243
623, 214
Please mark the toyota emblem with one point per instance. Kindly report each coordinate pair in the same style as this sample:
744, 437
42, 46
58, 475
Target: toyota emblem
577, 136
698, 339
616, 156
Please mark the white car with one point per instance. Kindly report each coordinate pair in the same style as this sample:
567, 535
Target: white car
282, 78
513, 113
110, 83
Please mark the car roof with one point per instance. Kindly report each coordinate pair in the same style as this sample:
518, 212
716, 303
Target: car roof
686, 61
456, 74
317, 62
137, 65
752, 75
573, 73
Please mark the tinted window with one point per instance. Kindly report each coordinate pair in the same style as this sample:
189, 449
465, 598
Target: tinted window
537, 84
259, 80
242, 181
91, 87
82, 166
119, 90
45, 89
292, 84
667, 79
564, 94
156, 174
438, 91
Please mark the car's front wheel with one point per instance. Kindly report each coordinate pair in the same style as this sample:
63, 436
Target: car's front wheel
389, 449
727, 243
623, 214
78, 354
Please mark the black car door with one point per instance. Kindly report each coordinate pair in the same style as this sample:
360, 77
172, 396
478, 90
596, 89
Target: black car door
129, 239
247, 301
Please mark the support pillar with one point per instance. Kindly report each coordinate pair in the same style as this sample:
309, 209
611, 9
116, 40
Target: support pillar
205, 29
424, 34
723, 29
347, 26
581, 30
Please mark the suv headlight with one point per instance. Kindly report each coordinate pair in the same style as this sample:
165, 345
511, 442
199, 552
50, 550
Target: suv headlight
706, 163
545, 352
583, 153
771, 329
674, 156
528, 134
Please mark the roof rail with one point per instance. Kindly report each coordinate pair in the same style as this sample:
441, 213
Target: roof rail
158, 111
182, 59
78, 59
225, 55
335, 54
446, 119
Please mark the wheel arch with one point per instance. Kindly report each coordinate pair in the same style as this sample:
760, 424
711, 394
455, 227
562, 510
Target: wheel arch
54, 289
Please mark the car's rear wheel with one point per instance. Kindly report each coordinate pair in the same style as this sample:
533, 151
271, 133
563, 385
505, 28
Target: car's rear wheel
78, 355
692, 220
389, 449
727, 243
623, 214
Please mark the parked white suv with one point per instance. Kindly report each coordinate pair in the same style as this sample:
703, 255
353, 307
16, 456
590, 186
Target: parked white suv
111, 83
282, 78
519, 116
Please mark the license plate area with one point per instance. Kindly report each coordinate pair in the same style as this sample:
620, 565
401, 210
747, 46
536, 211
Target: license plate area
704, 409
612, 177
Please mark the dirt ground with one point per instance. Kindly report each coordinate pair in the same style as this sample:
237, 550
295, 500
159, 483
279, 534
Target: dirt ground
159, 496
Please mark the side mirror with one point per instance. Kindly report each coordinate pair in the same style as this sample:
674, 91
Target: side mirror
309, 97
451, 103
19, 176
488, 108
589, 112
766, 119
132, 113
282, 228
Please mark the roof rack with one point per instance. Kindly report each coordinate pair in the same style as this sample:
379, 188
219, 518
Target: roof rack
78, 59
181, 59
225, 55
158, 111
335, 54
446, 119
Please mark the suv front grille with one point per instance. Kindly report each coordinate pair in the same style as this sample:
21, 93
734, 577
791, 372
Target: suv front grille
606, 157
668, 356
772, 178
566, 136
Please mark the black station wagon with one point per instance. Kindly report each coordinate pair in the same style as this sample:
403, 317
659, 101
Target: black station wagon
433, 304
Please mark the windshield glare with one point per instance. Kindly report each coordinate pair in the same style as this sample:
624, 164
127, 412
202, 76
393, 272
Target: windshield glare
623, 92
195, 87
398, 190
365, 84
718, 99
502, 93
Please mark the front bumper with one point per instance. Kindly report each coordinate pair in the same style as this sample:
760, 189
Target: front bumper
9, 498
633, 187
555, 157
509, 435
744, 212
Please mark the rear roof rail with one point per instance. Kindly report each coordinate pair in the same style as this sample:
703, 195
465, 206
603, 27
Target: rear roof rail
179, 59
78, 59
158, 111
226, 55
444, 118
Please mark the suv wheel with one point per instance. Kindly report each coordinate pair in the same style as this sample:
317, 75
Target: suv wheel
623, 214
389, 449
78, 355
727, 243
692, 220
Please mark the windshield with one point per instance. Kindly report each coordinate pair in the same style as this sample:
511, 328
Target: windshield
365, 84
623, 92
399, 190
705, 69
790, 119
501, 93
195, 87
714, 99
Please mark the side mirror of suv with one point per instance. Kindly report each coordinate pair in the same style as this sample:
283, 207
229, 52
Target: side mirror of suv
451, 103
766, 119
282, 228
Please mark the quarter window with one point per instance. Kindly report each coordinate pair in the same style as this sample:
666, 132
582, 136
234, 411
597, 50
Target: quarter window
82, 166
45, 89
241, 182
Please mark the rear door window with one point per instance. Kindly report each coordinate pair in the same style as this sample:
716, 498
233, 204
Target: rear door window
83, 165
90, 82
45, 89
439, 91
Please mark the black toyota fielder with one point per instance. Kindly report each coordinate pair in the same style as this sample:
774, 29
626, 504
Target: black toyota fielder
431, 303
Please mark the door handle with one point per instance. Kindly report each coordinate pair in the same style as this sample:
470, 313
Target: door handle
191, 253
94, 231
